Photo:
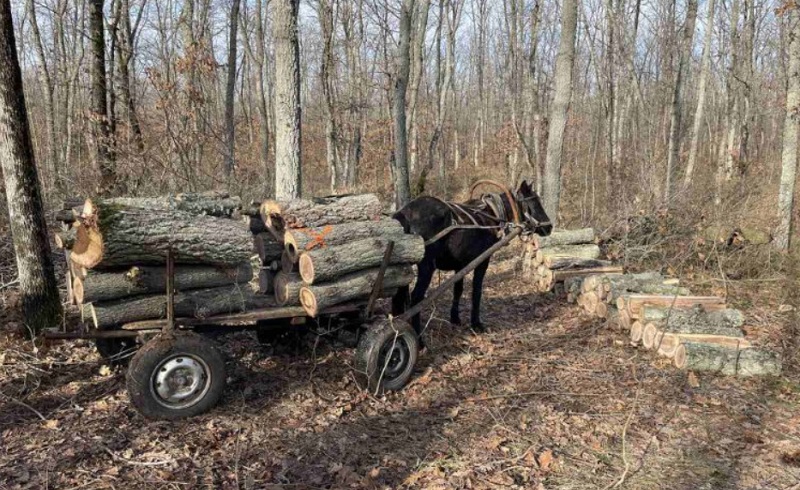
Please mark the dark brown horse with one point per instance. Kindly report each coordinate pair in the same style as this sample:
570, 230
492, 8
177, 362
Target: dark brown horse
455, 234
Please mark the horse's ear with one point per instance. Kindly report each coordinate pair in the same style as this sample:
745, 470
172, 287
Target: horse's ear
524, 187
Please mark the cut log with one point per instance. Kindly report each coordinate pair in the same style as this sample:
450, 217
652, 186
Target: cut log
566, 237
314, 213
302, 240
637, 330
737, 362
623, 319
324, 264
287, 288
266, 281
287, 264
588, 251
353, 286
212, 203
591, 282
563, 275
616, 291
635, 302
590, 302
557, 263
105, 286
66, 239
196, 303
117, 236
267, 248
667, 343
601, 310
694, 320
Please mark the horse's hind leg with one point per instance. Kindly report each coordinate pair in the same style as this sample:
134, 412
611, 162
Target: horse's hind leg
458, 290
400, 301
477, 292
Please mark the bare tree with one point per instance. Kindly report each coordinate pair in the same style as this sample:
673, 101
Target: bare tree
40, 302
402, 188
287, 100
560, 107
702, 90
790, 135
327, 73
230, 90
676, 110
99, 109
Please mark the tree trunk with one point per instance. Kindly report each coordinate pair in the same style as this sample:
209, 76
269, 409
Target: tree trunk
328, 263
116, 236
790, 126
328, 81
41, 307
560, 106
354, 286
702, 89
402, 187
266, 282
307, 239
98, 113
288, 167
139, 280
197, 303
230, 89
313, 213
287, 288
676, 113
722, 360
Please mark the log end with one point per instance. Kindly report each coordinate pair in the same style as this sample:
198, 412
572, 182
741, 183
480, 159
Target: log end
649, 335
637, 330
77, 290
309, 301
679, 357
88, 249
290, 244
306, 266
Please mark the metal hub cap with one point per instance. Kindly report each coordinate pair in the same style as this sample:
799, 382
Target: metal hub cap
397, 352
180, 381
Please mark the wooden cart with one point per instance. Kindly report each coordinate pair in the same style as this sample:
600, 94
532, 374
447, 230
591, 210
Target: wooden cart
179, 372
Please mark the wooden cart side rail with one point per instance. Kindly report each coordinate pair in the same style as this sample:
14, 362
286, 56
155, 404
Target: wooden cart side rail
241, 319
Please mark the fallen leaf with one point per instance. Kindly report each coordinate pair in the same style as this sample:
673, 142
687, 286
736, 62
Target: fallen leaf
545, 459
693, 380
105, 370
51, 424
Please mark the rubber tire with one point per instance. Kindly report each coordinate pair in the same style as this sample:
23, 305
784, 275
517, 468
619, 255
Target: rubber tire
109, 350
368, 351
153, 353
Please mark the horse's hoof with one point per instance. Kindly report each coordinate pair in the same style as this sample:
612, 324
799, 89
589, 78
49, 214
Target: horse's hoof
478, 327
454, 320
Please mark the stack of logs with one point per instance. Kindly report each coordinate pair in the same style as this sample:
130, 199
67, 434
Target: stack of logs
700, 333
316, 253
116, 252
563, 256
331, 250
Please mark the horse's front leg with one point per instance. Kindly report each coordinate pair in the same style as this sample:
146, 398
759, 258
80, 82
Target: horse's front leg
477, 292
458, 290
425, 271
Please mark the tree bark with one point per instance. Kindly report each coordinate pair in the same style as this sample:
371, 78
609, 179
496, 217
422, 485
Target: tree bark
302, 240
722, 360
590, 251
634, 303
702, 89
267, 247
667, 343
230, 89
212, 203
266, 282
99, 108
115, 236
197, 303
140, 280
402, 186
41, 306
558, 111
315, 213
790, 136
288, 175
694, 320
328, 263
565, 237
564, 263
354, 286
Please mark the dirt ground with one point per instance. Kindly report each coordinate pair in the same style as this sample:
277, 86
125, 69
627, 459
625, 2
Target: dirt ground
546, 399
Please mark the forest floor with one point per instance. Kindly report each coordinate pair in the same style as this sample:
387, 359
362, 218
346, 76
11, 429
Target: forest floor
546, 399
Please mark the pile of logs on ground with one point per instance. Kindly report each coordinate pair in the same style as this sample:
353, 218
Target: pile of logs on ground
564, 255
325, 251
699, 333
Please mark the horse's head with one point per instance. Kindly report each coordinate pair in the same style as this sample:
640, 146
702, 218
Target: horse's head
530, 205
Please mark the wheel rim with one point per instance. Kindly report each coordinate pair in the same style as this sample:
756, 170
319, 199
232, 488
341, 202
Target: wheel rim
180, 381
394, 358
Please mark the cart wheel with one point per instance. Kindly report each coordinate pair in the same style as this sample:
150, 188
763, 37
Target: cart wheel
176, 376
386, 355
117, 352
